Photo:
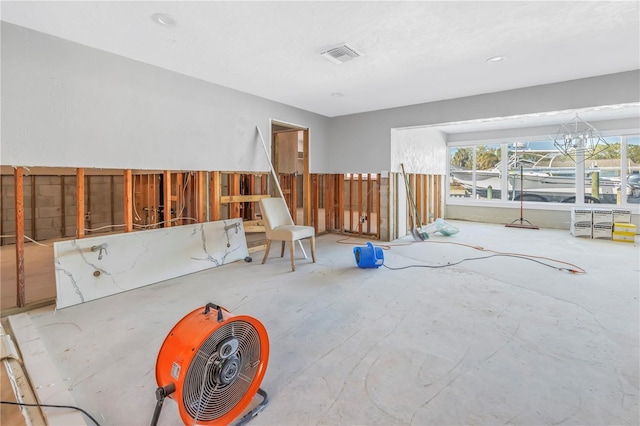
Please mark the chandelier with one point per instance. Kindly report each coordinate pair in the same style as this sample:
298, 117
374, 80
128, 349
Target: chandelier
579, 137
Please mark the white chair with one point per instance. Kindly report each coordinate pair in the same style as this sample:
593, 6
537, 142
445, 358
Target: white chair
279, 226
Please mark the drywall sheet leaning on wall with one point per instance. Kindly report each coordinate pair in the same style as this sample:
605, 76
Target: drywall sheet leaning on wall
91, 268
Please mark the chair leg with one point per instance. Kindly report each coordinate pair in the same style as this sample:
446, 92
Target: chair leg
313, 248
266, 252
292, 248
282, 250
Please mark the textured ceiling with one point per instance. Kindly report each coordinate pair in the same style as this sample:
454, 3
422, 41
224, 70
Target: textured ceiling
414, 52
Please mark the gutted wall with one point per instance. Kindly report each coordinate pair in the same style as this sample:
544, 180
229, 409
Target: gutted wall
50, 202
64, 104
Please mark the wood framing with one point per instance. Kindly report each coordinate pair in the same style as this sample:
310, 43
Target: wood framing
63, 209
314, 202
87, 185
79, 202
166, 197
438, 199
1, 221
128, 200
112, 200
179, 198
428, 191
264, 184
420, 198
294, 197
329, 202
250, 186
306, 179
201, 197
225, 199
19, 208
351, 202
234, 190
34, 233
369, 202
340, 197
360, 217
215, 190
188, 197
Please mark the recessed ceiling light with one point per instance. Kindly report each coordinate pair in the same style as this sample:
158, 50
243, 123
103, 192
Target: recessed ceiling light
163, 19
496, 59
337, 94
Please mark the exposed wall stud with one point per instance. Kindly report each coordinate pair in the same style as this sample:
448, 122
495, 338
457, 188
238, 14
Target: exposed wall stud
188, 196
167, 199
112, 200
306, 179
128, 200
369, 196
179, 198
1, 215
360, 203
378, 191
293, 179
234, 189
63, 209
201, 197
314, 201
340, 197
329, 202
215, 187
79, 202
33, 208
19, 208
251, 189
87, 222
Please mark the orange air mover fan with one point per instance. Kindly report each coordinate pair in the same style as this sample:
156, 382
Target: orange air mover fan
212, 364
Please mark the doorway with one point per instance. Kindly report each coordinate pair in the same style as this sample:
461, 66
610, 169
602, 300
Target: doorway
290, 156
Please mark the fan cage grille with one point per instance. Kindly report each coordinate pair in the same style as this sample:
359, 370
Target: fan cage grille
206, 400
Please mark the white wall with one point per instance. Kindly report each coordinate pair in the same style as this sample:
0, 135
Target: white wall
64, 104
363, 142
421, 150
538, 215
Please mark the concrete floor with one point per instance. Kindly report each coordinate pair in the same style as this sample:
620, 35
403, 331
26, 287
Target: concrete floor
495, 341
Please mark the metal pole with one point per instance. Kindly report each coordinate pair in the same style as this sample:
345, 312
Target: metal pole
277, 181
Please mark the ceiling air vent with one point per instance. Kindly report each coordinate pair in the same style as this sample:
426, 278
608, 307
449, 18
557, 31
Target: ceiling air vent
340, 54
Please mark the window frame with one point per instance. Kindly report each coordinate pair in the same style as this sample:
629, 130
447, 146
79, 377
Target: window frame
504, 202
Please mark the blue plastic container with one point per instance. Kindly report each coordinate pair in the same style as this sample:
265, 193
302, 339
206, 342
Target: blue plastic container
369, 256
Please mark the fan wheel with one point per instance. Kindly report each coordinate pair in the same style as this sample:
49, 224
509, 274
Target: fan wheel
217, 362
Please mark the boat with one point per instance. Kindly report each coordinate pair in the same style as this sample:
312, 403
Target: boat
547, 178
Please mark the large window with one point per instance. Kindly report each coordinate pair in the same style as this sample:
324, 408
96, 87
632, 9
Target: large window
631, 166
462, 171
475, 172
538, 171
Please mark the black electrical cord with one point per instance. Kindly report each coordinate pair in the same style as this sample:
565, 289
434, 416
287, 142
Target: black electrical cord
480, 258
51, 406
